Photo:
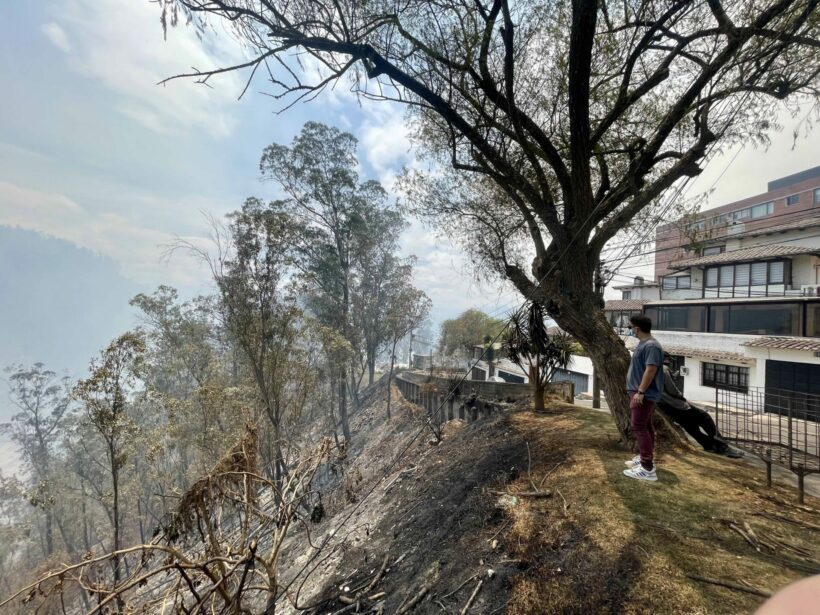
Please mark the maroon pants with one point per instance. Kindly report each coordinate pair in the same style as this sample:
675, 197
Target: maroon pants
643, 430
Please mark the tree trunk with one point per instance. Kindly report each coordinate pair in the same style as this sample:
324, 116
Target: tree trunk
343, 404
568, 296
610, 359
537, 386
371, 370
49, 529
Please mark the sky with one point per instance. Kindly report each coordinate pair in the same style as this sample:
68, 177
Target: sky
101, 169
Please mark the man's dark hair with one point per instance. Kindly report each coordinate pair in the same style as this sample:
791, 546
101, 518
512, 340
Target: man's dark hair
644, 322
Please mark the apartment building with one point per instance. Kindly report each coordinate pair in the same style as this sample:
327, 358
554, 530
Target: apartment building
738, 302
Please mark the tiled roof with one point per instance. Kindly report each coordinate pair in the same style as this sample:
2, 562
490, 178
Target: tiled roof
744, 254
625, 304
789, 343
708, 353
696, 353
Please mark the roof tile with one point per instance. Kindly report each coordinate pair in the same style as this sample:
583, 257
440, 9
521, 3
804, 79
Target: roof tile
745, 254
788, 343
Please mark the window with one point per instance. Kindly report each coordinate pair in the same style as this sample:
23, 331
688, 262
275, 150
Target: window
725, 377
813, 320
678, 317
793, 199
742, 274
764, 209
816, 196
760, 319
677, 282
759, 271
626, 294
776, 273
747, 274
713, 250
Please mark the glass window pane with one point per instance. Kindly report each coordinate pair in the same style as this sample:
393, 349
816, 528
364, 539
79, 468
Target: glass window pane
719, 319
794, 199
742, 274
668, 283
760, 210
682, 318
769, 208
712, 277
776, 272
813, 320
684, 281
727, 275
817, 195
712, 250
759, 271
765, 319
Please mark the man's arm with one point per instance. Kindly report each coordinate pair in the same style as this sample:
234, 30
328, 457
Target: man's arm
648, 376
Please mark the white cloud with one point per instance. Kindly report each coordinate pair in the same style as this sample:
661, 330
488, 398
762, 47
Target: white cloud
121, 45
442, 271
136, 247
57, 36
385, 140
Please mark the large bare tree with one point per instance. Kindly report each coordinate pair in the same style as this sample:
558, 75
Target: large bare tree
581, 114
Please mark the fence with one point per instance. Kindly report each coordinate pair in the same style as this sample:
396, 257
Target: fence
780, 426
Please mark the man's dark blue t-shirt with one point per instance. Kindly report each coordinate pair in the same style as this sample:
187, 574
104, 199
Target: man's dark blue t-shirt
648, 352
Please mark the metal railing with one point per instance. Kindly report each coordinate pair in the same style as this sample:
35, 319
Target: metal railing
781, 426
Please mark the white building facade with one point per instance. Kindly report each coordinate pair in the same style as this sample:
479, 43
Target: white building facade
739, 294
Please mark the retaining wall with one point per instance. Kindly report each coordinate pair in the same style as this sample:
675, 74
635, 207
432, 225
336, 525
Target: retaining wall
471, 399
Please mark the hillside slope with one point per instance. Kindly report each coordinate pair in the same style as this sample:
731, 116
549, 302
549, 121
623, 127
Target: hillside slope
599, 544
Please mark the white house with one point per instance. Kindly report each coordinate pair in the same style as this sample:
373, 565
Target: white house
739, 304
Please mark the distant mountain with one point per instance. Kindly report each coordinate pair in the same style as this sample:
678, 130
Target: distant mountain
59, 303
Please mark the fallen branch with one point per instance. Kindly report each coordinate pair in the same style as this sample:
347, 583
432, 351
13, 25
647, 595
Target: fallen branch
565, 501
378, 577
529, 468
459, 587
410, 605
555, 467
472, 597
730, 585
501, 529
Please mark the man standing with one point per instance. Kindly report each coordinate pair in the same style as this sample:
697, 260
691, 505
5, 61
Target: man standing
644, 383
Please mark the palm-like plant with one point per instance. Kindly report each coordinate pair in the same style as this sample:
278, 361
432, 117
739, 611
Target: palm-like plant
535, 350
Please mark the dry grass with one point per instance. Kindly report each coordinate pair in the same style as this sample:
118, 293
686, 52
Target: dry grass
625, 546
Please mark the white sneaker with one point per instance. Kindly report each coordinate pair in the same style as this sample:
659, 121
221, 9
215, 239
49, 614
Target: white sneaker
640, 473
635, 461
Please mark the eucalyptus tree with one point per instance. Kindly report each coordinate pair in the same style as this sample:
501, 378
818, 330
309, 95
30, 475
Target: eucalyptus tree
581, 114
104, 394
42, 400
343, 221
